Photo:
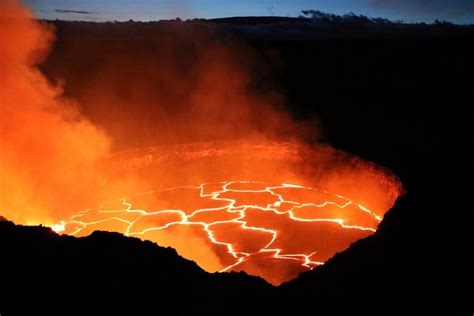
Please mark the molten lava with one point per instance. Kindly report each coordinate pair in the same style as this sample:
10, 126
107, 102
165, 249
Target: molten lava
249, 225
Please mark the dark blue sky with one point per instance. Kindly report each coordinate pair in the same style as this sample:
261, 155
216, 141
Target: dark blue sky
458, 11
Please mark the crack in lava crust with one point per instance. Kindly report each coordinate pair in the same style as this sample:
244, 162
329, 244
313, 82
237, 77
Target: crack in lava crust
275, 231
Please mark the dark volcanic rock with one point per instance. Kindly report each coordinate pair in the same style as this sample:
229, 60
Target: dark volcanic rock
107, 268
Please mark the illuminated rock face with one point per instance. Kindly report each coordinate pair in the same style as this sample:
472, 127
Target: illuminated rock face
272, 230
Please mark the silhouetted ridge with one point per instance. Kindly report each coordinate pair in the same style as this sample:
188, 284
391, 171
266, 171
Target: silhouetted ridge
106, 268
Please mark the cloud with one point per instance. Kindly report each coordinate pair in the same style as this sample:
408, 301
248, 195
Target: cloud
445, 8
73, 11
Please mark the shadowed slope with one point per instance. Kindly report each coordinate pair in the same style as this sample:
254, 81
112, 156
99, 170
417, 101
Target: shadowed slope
106, 268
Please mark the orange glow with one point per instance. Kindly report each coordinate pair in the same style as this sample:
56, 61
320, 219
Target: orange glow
295, 205
59, 228
41, 133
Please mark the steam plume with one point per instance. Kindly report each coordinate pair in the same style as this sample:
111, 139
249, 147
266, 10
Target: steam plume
47, 148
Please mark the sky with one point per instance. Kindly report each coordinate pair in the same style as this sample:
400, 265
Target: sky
457, 11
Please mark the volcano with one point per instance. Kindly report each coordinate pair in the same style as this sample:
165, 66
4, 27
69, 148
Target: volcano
261, 226
228, 161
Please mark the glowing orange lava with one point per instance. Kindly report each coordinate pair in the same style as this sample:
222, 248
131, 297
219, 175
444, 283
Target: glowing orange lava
275, 231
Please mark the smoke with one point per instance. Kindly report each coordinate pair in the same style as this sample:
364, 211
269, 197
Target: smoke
47, 148
151, 84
